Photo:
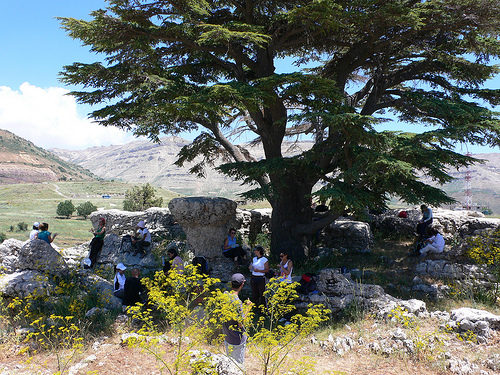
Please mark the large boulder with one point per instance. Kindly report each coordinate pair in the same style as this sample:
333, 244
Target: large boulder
9, 254
349, 235
206, 222
159, 221
25, 283
39, 255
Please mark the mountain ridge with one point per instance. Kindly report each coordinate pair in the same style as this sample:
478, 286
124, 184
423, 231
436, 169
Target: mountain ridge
23, 161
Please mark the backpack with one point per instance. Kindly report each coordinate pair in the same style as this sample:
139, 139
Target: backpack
307, 283
201, 264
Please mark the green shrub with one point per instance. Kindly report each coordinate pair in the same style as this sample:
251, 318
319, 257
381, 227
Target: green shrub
3, 236
65, 208
85, 209
22, 226
141, 198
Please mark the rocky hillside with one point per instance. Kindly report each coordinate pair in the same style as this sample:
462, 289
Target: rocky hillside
21, 162
142, 161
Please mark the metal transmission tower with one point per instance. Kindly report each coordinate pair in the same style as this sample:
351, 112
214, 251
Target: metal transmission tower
467, 203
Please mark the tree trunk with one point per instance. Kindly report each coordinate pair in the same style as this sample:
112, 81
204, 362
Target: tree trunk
291, 210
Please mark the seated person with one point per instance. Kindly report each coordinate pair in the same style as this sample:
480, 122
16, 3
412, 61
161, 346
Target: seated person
44, 233
133, 289
231, 249
142, 240
119, 281
175, 262
34, 232
434, 244
425, 221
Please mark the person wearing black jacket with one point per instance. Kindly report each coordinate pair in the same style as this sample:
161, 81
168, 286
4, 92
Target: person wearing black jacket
133, 289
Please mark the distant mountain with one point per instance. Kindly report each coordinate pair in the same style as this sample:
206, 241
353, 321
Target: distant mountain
21, 161
142, 161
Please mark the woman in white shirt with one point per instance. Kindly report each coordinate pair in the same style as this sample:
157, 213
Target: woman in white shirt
119, 281
435, 243
259, 268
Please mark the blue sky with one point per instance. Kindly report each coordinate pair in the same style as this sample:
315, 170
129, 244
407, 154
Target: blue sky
33, 103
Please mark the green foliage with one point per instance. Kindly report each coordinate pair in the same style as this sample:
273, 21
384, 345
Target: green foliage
65, 208
3, 236
485, 249
141, 198
85, 209
22, 226
215, 73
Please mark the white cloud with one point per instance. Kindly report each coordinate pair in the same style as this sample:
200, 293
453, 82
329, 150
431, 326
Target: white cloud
50, 119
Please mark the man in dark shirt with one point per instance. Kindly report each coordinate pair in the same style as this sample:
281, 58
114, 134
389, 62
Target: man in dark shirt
133, 289
235, 337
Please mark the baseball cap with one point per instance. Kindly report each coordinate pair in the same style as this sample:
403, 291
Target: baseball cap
141, 224
238, 278
121, 266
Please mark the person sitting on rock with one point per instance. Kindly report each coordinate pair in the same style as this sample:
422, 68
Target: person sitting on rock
44, 233
434, 244
97, 242
231, 249
34, 231
425, 221
142, 240
119, 281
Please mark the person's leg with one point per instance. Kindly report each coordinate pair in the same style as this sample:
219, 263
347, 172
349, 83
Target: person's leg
236, 352
119, 293
428, 249
262, 288
255, 290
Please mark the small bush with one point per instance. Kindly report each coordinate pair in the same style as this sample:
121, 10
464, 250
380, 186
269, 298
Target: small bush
22, 226
3, 236
85, 209
65, 208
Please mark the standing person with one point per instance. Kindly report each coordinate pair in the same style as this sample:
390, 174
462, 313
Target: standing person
176, 261
34, 231
142, 240
119, 281
97, 241
286, 267
231, 249
425, 221
132, 289
44, 233
235, 338
434, 244
259, 268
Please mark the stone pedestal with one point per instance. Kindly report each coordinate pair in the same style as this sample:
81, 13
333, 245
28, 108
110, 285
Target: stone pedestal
206, 222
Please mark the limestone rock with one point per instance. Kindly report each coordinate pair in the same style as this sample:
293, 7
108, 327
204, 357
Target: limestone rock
25, 283
9, 253
41, 256
206, 222
349, 235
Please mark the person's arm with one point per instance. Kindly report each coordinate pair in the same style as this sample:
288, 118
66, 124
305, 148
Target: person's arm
285, 270
226, 244
52, 237
265, 269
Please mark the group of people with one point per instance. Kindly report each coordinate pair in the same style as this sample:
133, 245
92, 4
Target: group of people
41, 231
129, 289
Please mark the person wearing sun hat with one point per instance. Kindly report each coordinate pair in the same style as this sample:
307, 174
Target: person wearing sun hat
142, 240
235, 337
119, 281
34, 231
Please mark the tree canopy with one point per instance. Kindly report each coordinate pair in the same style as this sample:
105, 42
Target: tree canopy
210, 67
140, 198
